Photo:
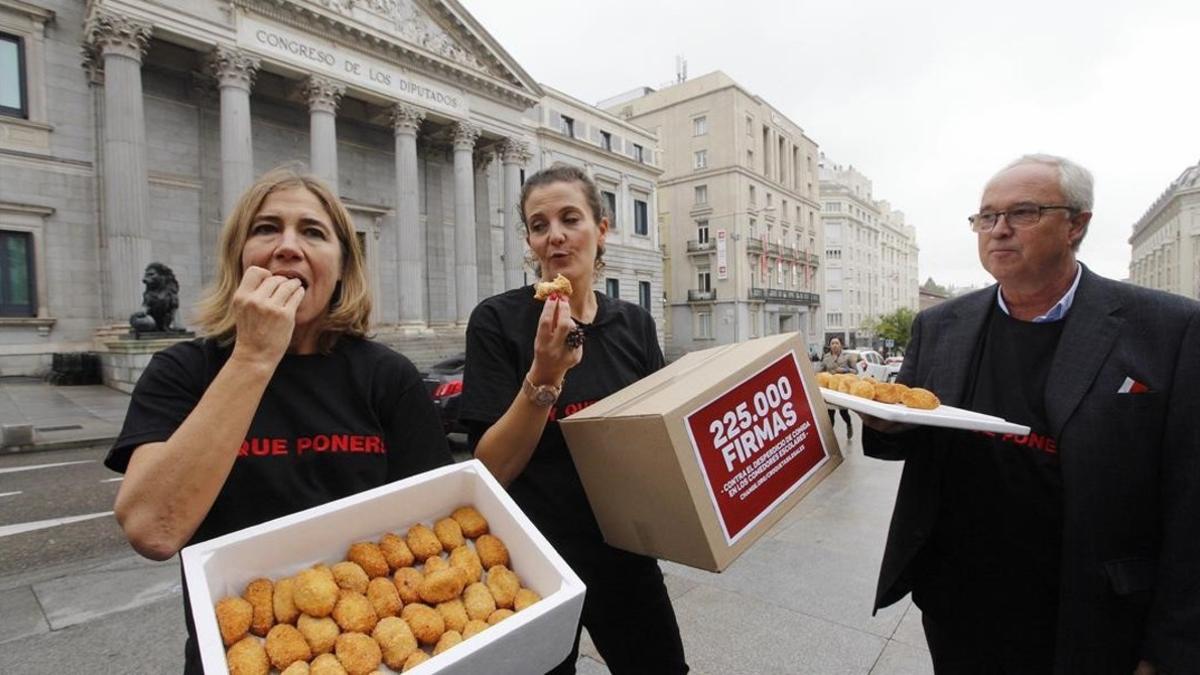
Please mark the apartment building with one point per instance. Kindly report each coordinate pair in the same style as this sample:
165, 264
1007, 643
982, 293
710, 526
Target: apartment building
870, 254
737, 213
1166, 240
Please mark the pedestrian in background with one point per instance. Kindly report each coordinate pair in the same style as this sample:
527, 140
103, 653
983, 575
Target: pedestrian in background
838, 361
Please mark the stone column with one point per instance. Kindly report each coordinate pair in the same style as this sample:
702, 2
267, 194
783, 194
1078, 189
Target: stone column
323, 97
410, 244
120, 42
483, 224
465, 267
513, 155
235, 71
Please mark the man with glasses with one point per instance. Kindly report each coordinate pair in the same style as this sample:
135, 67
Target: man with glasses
1075, 549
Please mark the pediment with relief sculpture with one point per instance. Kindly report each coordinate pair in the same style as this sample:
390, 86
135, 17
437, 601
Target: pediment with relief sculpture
442, 28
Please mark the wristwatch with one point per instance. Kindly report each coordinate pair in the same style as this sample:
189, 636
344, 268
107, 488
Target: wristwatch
542, 395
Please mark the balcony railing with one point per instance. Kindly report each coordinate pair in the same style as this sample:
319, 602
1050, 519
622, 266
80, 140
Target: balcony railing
754, 245
696, 295
697, 246
785, 297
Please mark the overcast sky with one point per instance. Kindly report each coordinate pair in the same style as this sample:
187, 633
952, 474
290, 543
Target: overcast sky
928, 99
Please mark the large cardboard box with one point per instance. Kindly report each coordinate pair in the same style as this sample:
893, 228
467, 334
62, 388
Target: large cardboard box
533, 640
697, 461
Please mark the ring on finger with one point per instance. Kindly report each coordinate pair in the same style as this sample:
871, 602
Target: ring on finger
575, 338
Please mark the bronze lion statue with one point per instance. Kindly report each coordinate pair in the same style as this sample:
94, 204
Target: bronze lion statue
159, 301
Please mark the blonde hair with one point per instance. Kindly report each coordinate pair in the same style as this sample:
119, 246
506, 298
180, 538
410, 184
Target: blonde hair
350, 307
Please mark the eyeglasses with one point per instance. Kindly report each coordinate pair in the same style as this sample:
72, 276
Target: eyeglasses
1019, 216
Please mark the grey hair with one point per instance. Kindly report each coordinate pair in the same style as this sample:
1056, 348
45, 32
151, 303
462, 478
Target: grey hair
1075, 181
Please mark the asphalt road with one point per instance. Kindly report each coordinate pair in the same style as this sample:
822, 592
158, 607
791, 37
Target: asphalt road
38, 491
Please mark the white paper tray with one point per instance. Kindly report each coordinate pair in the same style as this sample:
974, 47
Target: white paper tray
532, 641
942, 416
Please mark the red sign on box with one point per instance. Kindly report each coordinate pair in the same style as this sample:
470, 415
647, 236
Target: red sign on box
756, 443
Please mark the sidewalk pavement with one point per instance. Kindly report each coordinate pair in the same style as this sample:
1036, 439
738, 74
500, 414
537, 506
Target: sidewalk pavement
799, 601
58, 417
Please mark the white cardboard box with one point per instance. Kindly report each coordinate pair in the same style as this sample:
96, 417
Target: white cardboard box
532, 641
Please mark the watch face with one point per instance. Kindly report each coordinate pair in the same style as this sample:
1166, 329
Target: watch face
544, 396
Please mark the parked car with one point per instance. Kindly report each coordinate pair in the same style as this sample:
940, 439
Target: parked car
444, 381
870, 362
893, 364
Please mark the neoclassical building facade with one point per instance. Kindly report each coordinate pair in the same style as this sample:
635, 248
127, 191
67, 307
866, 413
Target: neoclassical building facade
409, 108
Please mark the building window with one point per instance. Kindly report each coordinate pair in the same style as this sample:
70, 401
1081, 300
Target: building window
701, 194
568, 126
606, 140
638, 154
704, 325
753, 228
613, 288
699, 126
641, 220
749, 125
702, 231
644, 295
753, 196
610, 208
701, 159
750, 158
12, 77
17, 291
768, 200
834, 318
704, 281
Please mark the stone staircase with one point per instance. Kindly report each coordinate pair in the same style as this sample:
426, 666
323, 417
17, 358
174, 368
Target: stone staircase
425, 348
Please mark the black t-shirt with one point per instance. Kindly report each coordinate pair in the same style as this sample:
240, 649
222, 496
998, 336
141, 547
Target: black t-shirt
328, 426
620, 348
996, 547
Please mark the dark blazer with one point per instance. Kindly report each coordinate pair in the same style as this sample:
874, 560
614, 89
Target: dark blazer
1130, 573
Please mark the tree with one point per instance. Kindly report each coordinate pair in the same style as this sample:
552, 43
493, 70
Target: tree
934, 287
896, 326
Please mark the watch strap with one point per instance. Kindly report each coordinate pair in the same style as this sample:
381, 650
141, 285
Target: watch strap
543, 395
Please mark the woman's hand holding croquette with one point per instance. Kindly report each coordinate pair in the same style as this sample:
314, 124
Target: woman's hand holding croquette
265, 305
552, 358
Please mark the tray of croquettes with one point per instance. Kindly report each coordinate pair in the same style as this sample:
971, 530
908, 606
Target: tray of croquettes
913, 405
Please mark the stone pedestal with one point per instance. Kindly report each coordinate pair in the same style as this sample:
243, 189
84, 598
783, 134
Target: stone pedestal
123, 362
